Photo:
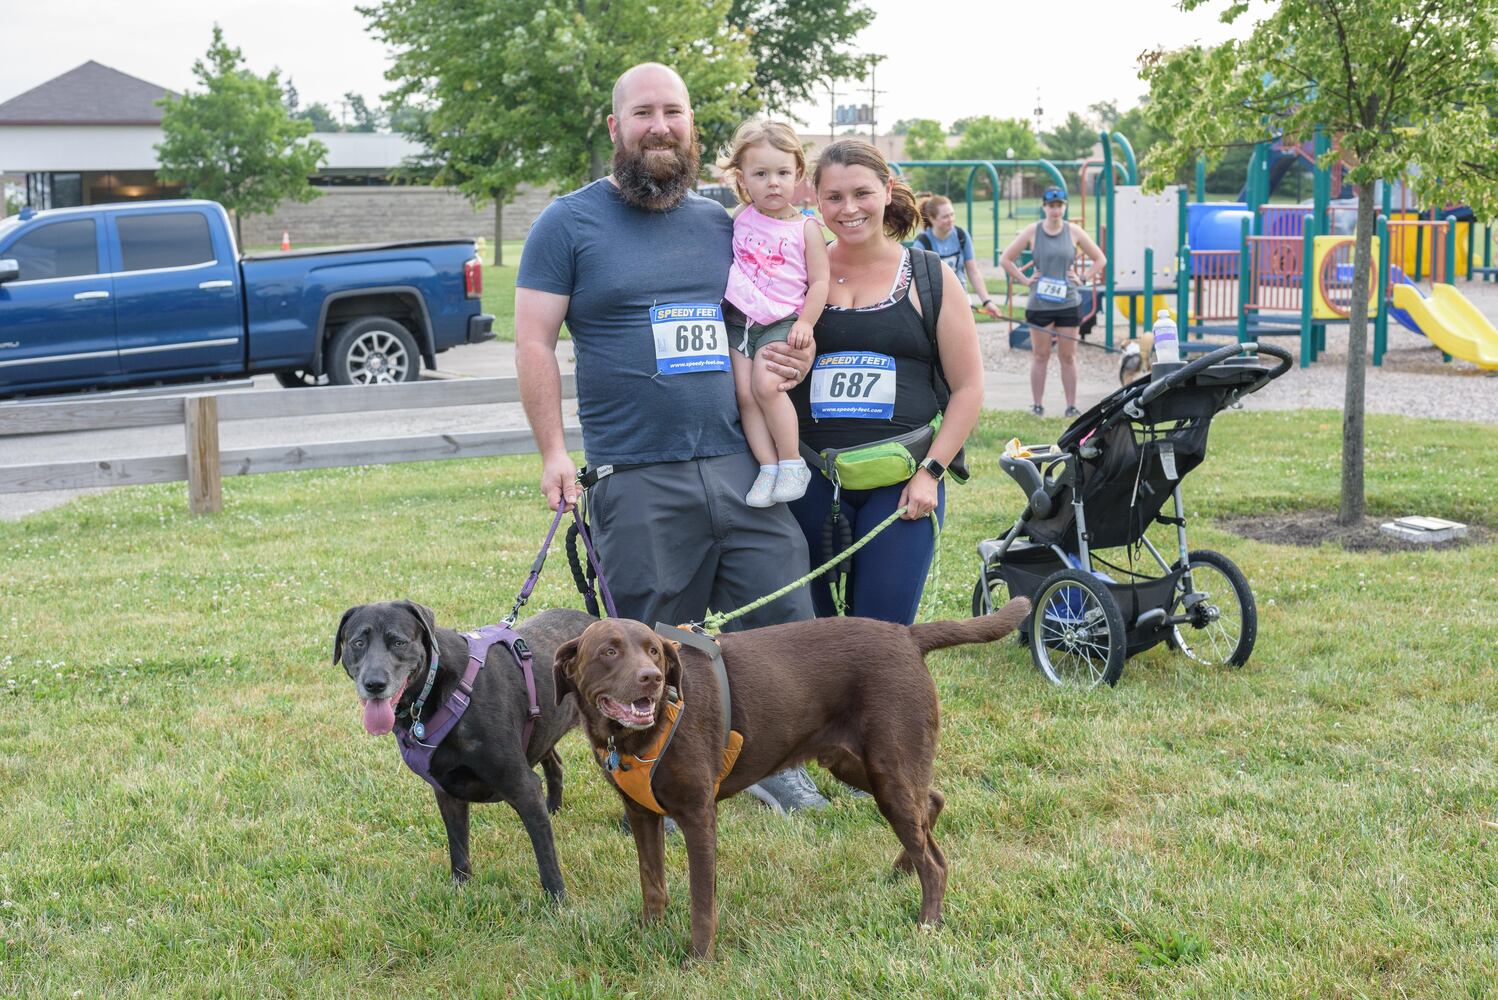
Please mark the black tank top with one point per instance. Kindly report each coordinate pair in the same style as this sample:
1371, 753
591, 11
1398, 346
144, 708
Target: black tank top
893, 329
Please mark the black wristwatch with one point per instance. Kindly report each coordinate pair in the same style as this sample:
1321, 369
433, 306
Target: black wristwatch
934, 468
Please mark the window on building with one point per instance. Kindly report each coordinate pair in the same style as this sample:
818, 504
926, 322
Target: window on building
60, 250
167, 239
67, 190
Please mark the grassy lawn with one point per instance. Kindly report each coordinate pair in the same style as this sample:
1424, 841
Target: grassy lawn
191, 807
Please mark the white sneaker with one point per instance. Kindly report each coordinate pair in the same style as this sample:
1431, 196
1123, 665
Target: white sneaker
759, 494
790, 483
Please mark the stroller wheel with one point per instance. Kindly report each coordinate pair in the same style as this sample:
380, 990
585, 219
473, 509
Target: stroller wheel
990, 593
1223, 620
1076, 630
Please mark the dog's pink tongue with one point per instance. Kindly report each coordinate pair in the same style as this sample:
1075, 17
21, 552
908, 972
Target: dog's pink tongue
379, 715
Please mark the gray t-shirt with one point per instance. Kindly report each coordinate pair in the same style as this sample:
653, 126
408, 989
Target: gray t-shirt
616, 262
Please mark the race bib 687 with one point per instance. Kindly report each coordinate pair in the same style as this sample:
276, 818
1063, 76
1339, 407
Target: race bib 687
689, 337
857, 384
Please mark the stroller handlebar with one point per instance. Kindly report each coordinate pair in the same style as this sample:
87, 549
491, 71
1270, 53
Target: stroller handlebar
1206, 361
1155, 389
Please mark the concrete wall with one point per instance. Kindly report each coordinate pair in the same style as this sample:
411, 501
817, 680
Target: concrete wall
375, 214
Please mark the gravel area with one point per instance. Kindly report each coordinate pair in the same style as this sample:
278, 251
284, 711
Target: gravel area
1413, 381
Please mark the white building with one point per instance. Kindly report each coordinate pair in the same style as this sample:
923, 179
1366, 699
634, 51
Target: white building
88, 137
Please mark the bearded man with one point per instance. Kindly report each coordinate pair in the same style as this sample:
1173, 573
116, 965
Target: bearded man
636, 264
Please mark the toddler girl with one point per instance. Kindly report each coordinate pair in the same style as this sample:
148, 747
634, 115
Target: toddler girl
778, 282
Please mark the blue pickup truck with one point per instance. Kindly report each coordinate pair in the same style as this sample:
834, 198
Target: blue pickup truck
133, 294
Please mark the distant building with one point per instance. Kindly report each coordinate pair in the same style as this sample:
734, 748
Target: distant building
88, 137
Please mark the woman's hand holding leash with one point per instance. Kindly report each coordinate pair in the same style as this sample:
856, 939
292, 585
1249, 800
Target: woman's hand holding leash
919, 496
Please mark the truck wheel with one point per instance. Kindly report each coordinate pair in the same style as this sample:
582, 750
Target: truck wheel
373, 351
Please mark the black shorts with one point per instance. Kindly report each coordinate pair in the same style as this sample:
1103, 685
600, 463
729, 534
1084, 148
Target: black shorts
1066, 316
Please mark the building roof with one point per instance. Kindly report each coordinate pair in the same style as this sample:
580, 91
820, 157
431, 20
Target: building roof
91, 94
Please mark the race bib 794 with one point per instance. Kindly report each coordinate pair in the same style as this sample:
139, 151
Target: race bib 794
689, 337
858, 384
1051, 289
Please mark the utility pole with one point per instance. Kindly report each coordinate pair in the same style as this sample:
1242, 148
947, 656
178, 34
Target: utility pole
874, 101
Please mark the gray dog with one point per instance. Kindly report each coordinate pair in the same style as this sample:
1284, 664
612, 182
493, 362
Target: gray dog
386, 648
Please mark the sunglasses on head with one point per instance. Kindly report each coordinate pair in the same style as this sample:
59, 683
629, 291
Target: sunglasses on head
1054, 196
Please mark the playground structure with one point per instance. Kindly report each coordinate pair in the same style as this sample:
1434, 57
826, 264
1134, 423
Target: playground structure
1242, 269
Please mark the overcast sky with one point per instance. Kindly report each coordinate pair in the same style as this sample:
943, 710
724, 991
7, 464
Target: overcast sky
945, 59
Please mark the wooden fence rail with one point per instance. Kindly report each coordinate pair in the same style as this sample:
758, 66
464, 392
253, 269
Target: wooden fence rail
202, 464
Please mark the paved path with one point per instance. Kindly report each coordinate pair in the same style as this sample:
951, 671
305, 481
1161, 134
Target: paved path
1004, 391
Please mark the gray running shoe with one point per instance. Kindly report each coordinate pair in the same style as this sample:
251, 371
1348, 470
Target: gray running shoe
789, 791
670, 825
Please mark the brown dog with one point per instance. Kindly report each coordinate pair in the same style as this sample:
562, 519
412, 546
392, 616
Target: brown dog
853, 693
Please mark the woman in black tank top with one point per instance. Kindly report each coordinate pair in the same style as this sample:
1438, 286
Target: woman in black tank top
877, 376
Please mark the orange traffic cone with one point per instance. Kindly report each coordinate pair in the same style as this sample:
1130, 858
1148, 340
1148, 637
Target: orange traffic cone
285, 239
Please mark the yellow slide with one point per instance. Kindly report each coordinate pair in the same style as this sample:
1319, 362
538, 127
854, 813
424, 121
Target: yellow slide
1452, 323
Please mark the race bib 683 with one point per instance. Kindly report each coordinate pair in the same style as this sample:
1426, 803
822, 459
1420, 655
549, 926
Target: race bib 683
689, 337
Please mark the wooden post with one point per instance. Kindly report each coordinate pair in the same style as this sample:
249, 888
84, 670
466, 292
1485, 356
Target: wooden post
200, 418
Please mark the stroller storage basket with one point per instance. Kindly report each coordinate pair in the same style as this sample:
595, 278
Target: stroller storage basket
1025, 567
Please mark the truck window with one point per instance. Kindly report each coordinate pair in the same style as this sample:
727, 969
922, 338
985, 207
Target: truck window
168, 239
60, 250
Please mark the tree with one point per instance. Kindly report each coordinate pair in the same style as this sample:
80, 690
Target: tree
925, 139
1404, 87
234, 142
1133, 123
365, 120
319, 116
799, 46
519, 90
1073, 139
988, 138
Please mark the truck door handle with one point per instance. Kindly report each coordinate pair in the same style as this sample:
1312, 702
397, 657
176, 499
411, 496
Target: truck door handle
84, 296
222, 283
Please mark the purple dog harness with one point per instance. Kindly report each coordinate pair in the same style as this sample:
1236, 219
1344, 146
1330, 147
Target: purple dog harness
418, 754
420, 740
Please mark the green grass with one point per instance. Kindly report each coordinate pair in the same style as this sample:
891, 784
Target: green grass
191, 808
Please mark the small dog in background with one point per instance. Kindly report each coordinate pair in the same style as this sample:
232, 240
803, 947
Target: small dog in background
1138, 353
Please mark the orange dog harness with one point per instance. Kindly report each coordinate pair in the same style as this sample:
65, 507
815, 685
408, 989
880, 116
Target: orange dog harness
632, 774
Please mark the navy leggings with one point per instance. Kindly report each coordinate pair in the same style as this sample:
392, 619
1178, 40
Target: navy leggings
889, 573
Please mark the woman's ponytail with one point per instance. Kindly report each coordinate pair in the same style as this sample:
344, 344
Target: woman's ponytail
902, 213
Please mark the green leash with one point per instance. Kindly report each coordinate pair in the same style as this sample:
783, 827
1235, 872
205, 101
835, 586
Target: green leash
715, 621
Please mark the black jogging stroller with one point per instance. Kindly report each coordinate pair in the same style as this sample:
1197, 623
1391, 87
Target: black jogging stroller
1099, 487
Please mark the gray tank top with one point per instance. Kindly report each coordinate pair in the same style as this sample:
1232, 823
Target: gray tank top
1053, 259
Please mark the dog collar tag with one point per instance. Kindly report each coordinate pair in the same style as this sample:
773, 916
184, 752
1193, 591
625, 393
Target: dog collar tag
611, 762
418, 730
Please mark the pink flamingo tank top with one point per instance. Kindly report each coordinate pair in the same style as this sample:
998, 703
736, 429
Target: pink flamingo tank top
768, 279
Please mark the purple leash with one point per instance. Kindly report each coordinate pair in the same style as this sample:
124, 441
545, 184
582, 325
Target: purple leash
582, 531
530, 582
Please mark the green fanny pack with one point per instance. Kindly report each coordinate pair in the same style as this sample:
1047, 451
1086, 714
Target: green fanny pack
882, 463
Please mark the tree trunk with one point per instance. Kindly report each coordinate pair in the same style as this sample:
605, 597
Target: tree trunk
499, 219
596, 160
1353, 502
238, 232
